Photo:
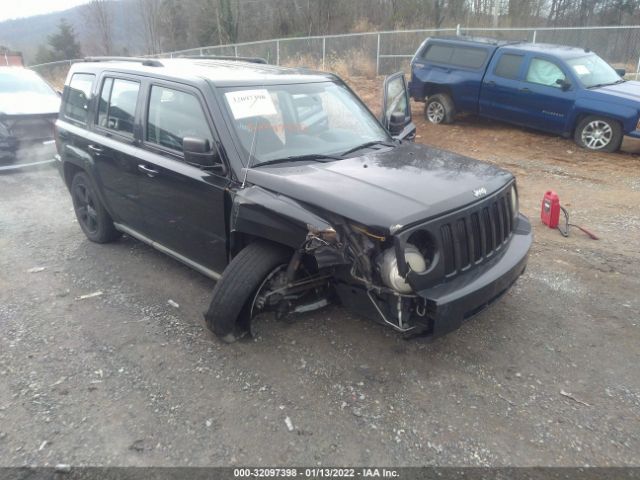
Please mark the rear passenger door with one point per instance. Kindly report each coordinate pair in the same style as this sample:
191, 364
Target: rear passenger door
114, 148
183, 204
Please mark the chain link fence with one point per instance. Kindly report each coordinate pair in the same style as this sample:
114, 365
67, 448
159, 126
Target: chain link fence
382, 53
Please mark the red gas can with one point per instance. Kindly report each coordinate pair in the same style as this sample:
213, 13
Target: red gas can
550, 213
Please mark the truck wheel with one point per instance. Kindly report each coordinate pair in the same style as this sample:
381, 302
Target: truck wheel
234, 297
599, 133
439, 109
94, 220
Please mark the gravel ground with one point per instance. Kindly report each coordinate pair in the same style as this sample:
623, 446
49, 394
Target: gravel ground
548, 376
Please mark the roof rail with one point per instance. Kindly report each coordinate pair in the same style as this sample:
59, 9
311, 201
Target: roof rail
148, 62
225, 57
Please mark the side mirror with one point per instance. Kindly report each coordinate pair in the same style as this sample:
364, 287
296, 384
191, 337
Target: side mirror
198, 152
564, 84
621, 71
396, 123
396, 109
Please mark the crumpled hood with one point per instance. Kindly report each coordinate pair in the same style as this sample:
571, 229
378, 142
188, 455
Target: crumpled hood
28, 103
398, 186
629, 90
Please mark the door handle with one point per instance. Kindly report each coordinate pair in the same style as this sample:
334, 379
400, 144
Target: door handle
95, 149
491, 83
149, 171
525, 90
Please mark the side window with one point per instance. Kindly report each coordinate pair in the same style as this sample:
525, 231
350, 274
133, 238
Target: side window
468, 57
117, 108
77, 97
438, 53
103, 105
174, 115
544, 72
509, 66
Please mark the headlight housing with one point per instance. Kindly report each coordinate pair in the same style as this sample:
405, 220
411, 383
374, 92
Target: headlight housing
513, 196
389, 267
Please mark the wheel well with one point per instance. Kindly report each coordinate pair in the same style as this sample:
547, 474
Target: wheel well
239, 240
70, 171
431, 89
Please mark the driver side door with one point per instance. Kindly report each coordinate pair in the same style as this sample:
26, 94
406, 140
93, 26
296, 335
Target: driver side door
396, 108
183, 204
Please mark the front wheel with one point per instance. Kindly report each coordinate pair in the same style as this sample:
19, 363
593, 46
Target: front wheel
238, 295
599, 133
439, 109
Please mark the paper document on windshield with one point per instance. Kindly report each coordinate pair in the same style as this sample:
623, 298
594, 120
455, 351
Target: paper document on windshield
250, 103
581, 70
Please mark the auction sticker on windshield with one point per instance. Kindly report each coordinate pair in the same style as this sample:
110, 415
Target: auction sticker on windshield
250, 103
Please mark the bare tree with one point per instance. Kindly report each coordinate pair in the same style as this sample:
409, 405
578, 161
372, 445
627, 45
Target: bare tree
150, 13
99, 18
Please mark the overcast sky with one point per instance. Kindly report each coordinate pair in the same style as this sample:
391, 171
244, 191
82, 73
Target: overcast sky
27, 8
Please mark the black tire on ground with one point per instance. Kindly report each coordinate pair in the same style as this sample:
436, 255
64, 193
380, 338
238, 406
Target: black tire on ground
439, 108
600, 134
229, 314
95, 221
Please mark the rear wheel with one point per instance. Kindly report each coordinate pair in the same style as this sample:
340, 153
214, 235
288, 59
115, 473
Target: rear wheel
439, 109
599, 133
239, 295
95, 221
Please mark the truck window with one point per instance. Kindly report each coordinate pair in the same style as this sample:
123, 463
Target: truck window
468, 57
120, 98
509, 66
77, 97
544, 72
174, 115
438, 53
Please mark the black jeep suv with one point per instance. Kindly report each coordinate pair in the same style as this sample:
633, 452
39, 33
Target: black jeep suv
280, 184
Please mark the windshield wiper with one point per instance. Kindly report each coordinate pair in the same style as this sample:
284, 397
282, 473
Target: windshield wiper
368, 144
607, 84
313, 157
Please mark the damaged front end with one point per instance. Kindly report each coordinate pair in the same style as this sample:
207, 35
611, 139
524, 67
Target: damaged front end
425, 278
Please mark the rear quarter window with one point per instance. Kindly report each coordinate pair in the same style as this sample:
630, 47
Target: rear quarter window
438, 53
77, 98
460, 56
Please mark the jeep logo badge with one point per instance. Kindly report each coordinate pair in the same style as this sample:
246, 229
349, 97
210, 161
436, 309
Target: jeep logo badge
479, 192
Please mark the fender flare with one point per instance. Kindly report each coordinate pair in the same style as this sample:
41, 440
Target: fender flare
260, 213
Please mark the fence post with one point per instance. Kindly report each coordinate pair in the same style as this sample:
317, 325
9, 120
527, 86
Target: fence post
378, 57
235, 51
277, 52
324, 50
638, 69
201, 52
535, 32
458, 30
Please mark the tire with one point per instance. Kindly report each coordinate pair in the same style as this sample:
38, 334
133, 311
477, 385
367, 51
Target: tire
439, 109
230, 311
95, 221
600, 134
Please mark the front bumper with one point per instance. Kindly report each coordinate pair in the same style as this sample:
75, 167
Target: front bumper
634, 134
443, 307
450, 304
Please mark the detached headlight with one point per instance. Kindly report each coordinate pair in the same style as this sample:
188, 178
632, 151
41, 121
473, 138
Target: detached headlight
389, 267
514, 201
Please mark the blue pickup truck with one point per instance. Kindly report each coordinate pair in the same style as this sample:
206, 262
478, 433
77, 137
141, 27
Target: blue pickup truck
564, 90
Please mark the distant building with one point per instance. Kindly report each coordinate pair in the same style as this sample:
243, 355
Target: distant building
9, 58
